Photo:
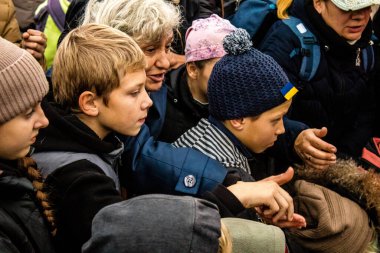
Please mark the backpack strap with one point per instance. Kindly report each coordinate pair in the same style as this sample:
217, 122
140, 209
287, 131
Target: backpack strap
250, 14
48, 162
41, 17
56, 12
310, 50
368, 57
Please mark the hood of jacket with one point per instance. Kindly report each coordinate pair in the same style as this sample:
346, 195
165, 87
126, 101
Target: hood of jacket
67, 133
179, 90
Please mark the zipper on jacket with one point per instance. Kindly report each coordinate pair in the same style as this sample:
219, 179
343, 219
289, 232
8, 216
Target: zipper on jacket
357, 61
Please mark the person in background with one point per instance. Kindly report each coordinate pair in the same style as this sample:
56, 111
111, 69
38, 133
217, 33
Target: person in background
339, 97
25, 12
187, 99
32, 40
22, 87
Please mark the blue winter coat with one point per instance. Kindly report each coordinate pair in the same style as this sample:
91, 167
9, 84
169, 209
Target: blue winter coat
154, 166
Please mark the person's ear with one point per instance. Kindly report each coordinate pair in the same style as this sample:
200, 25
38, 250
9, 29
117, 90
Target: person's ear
88, 103
237, 124
192, 70
319, 5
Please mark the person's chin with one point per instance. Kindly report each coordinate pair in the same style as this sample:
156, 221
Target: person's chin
353, 34
22, 153
135, 131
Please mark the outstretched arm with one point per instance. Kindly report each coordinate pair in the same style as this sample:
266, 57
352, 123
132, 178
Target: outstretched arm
272, 203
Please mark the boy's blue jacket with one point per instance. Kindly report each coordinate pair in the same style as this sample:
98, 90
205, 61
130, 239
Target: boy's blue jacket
153, 166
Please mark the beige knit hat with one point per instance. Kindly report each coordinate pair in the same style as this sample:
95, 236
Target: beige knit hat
22, 81
250, 236
335, 224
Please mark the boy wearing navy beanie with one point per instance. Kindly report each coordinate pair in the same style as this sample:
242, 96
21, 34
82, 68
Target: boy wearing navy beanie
248, 94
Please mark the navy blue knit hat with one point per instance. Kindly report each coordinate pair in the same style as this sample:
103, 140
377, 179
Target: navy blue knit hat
245, 82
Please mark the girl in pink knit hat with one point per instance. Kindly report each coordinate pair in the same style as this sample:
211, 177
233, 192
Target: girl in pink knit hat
187, 100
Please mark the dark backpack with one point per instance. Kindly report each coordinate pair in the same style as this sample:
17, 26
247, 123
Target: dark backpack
257, 16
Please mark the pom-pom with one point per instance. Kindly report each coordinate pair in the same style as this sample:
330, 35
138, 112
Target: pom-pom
237, 42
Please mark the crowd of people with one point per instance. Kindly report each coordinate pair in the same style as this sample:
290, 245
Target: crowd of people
160, 126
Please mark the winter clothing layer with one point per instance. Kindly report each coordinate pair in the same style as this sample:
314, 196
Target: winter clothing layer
22, 227
211, 141
334, 223
78, 190
87, 189
182, 111
23, 82
204, 39
25, 12
9, 28
179, 224
156, 166
339, 96
245, 82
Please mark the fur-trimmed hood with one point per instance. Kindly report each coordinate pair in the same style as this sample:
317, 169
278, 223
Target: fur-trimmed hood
350, 180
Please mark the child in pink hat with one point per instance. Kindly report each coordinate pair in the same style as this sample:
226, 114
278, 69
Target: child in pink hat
187, 101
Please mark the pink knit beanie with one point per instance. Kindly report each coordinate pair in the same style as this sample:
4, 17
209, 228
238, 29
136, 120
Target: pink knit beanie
22, 81
204, 39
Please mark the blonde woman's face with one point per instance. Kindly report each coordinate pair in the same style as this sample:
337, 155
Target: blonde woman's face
157, 58
18, 134
347, 24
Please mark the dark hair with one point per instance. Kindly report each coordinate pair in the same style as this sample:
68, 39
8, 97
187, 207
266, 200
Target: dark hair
202, 63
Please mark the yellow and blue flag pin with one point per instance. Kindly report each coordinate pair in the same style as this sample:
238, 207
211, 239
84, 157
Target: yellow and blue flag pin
288, 91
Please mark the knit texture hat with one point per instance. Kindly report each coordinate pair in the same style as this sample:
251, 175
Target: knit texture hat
204, 39
335, 224
156, 223
245, 82
22, 81
250, 236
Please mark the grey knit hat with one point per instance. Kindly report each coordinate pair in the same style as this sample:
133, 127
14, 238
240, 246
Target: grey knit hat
22, 81
245, 82
156, 223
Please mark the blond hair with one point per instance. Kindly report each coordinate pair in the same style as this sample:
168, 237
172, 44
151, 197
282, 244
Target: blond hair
93, 58
282, 8
373, 246
146, 21
225, 241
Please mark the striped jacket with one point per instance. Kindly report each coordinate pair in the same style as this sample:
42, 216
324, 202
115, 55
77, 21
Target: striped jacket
208, 139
